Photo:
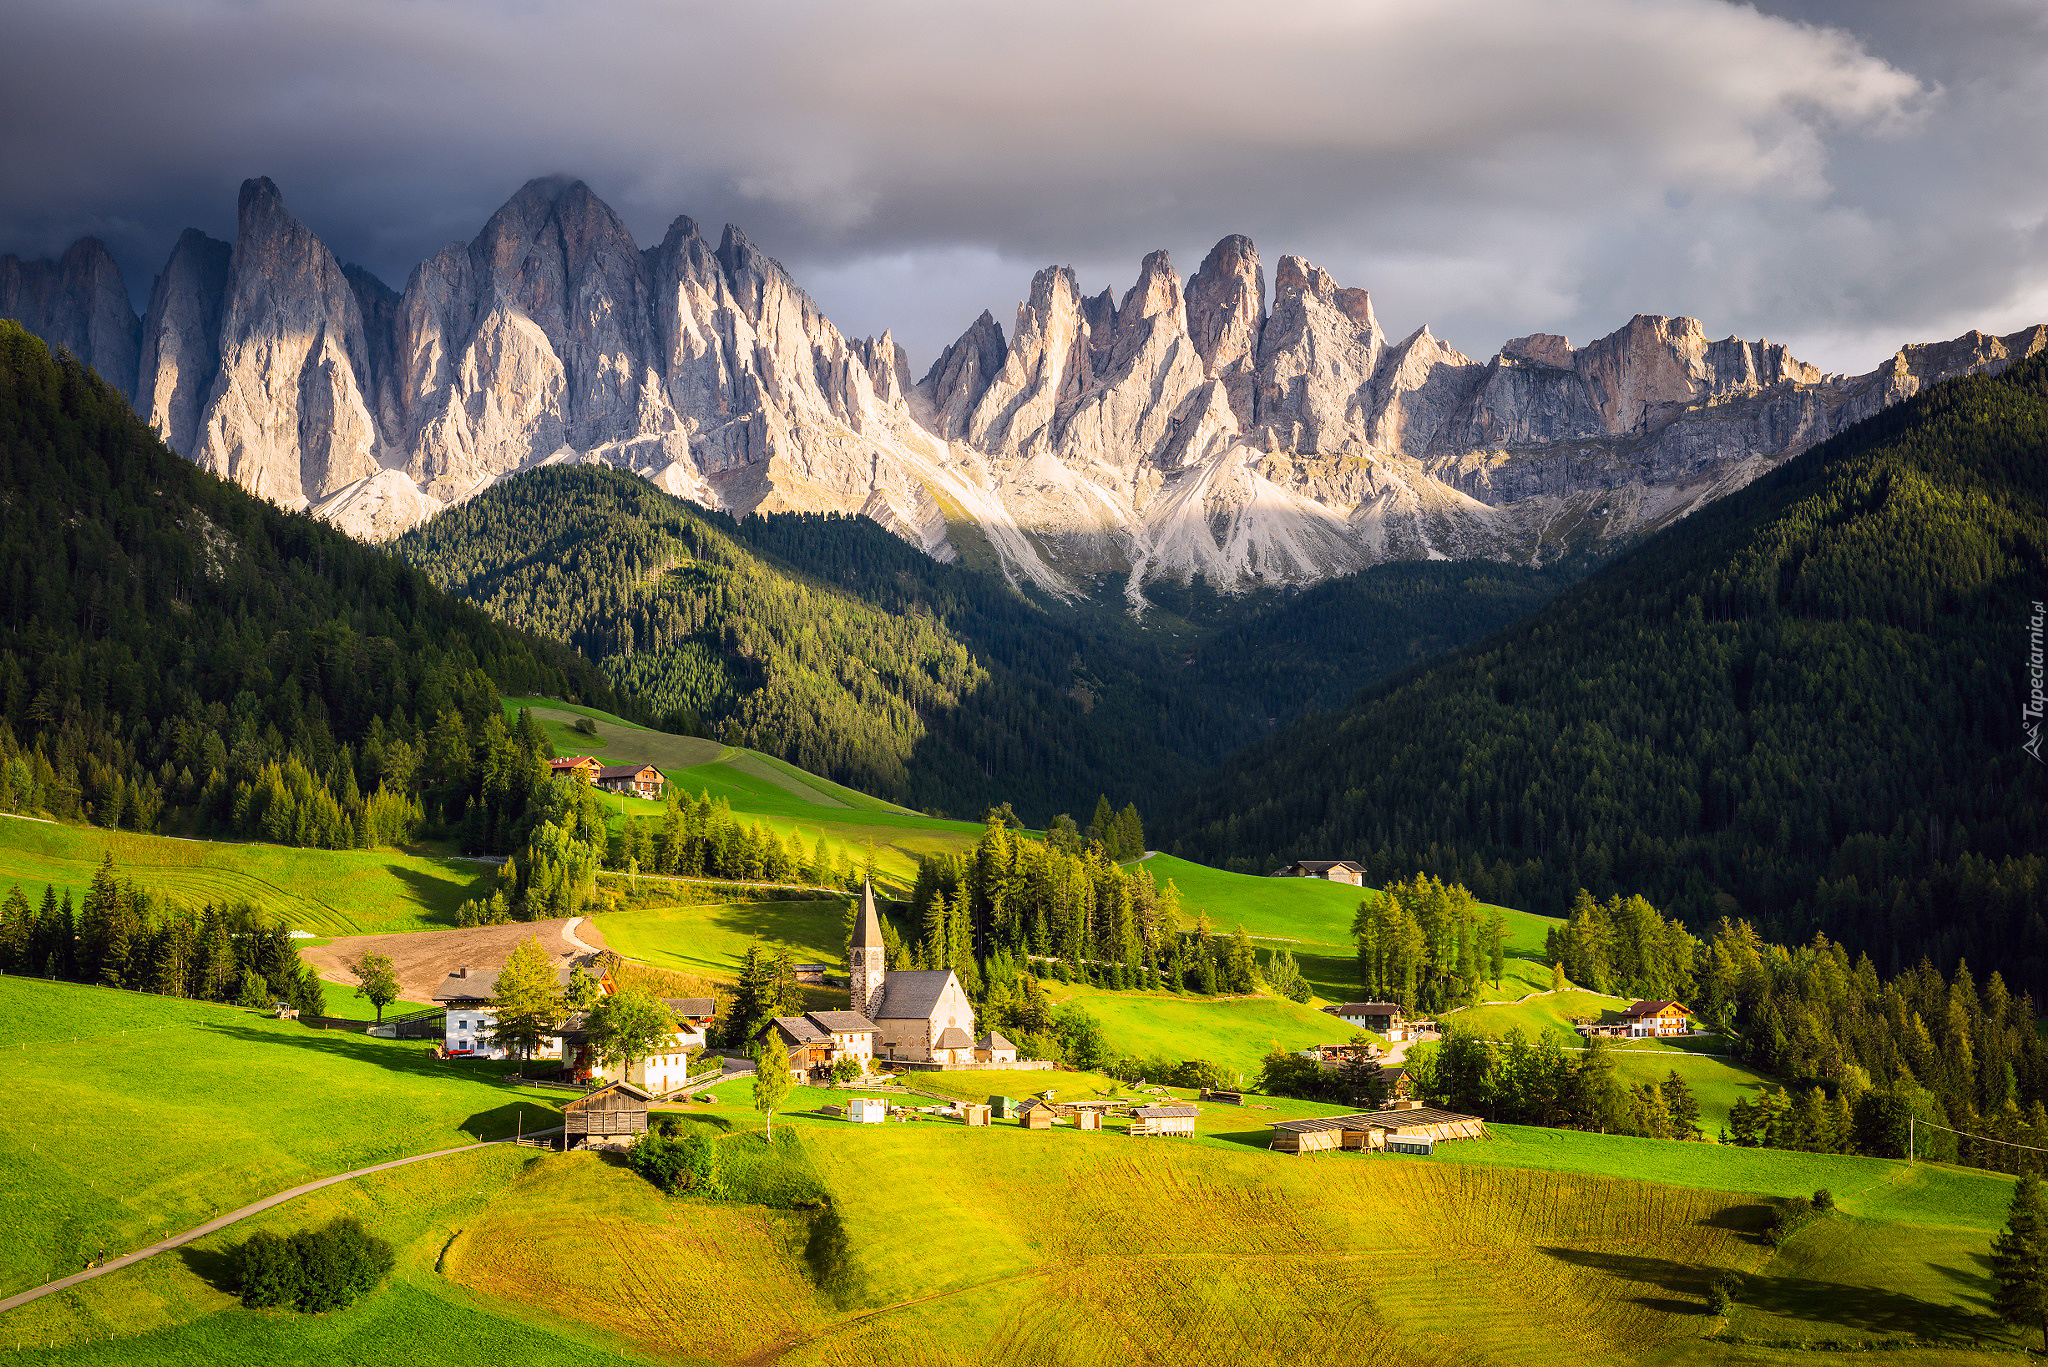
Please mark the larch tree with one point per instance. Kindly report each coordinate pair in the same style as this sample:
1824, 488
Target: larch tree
631, 1025
527, 1000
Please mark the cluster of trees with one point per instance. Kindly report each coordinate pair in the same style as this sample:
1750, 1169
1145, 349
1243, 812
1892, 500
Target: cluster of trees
1356, 1081
1539, 1083
176, 653
1860, 1053
314, 1270
1777, 710
122, 936
1624, 947
1427, 944
767, 988
1067, 906
700, 837
677, 1158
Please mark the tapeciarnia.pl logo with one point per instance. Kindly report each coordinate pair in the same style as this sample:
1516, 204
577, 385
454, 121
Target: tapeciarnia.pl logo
2037, 672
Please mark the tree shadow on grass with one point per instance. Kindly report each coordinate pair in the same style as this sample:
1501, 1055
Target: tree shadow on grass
1863, 1309
438, 896
1750, 1220
212, 1266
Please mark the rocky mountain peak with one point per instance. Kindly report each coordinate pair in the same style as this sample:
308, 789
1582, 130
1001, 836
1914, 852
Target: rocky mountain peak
1226, 304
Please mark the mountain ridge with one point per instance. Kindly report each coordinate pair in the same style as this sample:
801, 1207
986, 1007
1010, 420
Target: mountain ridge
1189, 429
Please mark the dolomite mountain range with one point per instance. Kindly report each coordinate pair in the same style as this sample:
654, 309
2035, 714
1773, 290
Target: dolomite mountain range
1190, 428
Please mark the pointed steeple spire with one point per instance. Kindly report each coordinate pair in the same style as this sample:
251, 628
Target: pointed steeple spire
868, 934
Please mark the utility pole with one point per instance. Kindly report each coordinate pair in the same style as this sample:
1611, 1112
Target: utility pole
1912, 1124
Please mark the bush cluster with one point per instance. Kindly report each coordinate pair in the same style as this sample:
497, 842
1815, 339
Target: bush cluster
313, 1270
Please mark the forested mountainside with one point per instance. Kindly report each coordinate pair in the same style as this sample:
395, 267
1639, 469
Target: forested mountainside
830, 642
1804, 705
177, 653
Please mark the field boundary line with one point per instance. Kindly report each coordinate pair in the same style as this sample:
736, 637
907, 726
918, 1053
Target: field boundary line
39, 820
254, 1208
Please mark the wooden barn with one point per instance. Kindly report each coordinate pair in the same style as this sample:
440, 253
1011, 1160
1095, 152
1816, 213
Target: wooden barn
1406, 1128
610, 1117
1178, 1120
1088, 1119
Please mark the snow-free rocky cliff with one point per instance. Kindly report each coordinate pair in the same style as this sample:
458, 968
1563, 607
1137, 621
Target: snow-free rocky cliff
1192, 427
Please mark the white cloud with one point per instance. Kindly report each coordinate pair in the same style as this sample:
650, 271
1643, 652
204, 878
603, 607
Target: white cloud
1490, 166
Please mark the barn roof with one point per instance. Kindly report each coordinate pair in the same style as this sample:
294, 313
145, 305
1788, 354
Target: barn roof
1637, 1010
1167, 1112
623, 770
609, 1089
841, 1022
1325, 865
1365, 1009
1374, 1120
698, 1008
912, 993
800, 1029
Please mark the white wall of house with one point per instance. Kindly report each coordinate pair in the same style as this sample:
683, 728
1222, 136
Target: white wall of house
469, 1030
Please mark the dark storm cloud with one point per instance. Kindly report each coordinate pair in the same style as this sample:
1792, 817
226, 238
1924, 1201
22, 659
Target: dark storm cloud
1841, 176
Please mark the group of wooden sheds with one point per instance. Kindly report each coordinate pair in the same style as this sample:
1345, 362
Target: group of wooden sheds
1404, 1129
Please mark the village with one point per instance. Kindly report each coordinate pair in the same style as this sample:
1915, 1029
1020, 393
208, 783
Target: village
900, 1024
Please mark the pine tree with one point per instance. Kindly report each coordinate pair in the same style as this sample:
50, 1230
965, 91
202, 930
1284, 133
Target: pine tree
2019, 1260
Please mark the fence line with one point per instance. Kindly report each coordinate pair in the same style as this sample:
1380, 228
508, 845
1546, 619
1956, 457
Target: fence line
115, 1034
1913, 1124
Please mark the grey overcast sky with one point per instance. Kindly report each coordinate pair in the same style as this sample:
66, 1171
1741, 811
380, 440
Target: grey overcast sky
1841, 175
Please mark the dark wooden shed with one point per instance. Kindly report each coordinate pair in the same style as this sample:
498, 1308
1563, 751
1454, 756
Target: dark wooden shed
612, 1116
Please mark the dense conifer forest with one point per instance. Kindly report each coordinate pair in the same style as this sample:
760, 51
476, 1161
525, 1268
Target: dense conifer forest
1802, 706
837, 646
176, 654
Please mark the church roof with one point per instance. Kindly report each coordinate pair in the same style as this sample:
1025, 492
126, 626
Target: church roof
992, 1040
867, 931
912, 993
953, 1037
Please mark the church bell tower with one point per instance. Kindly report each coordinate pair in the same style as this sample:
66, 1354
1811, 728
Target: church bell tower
866, 957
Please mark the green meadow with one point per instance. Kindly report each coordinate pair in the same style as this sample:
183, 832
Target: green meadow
150, 1115
328, 892
759, 787
1236, 1032
712, 939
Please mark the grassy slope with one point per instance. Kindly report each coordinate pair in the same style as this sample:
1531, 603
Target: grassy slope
333, 892
198, 1109
1234, 1031
711, 939
1020, 1247
763, 788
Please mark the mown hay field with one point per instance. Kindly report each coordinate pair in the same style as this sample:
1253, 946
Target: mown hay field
711, 939
327, 892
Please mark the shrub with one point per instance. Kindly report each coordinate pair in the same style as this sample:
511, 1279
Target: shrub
1721, 1293
677, 1161
1791, 1215
1823, 1200
314, 1270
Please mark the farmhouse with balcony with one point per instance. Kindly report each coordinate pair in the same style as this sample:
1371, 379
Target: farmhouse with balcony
470, 1025
1657, 1018
1382, 1018
1331, 870
634, 780
584, 767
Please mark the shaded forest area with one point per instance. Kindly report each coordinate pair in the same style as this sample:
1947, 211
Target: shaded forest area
1801, 706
